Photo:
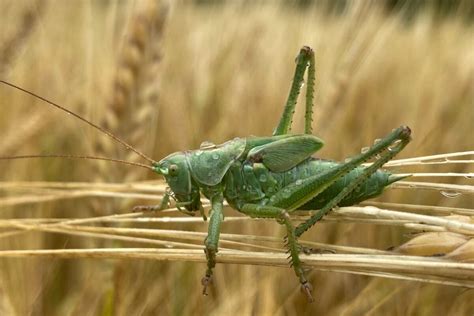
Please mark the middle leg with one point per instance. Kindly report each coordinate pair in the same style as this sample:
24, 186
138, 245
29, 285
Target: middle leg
282, 216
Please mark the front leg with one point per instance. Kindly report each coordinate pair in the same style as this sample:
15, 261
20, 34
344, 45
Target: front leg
165, 201
212, 240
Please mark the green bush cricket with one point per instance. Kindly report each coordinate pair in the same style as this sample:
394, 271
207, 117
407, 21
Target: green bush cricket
266, 177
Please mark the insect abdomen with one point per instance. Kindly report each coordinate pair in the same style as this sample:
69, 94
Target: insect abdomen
245, 186
370, 188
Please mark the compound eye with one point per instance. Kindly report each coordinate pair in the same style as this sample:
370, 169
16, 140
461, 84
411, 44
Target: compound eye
173, 170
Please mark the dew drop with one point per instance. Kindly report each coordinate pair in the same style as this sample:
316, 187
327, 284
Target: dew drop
286, 193
207, 145
364, 150
215, 156
262, 178
198, 153
347, 159
450, 194
299, 182
376, 141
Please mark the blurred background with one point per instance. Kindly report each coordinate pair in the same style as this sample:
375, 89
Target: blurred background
167, 75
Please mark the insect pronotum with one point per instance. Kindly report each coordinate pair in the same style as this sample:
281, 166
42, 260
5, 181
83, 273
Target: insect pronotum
265, 177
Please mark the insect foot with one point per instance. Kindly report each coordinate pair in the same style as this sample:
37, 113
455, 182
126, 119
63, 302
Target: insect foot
205, 281
307, 289
312, 251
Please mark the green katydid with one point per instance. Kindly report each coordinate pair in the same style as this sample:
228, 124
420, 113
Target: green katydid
266, 177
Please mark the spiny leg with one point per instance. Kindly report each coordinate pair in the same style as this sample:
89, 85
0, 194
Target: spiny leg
282, 216
308, 116
305, 57
297, 194
302, 191
164, 204
387, 155
159, 207
212, 240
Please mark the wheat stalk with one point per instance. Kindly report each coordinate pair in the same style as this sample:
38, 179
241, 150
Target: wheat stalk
404, 267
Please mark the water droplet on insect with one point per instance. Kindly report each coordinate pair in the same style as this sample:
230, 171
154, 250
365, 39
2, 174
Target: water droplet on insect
262, 178
394, 146
299, 182
376, 141
215, 156
364, 150
207, 145
244, 187
450, 194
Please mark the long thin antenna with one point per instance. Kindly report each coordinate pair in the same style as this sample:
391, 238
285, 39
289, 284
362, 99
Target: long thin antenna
106, 132
78, 157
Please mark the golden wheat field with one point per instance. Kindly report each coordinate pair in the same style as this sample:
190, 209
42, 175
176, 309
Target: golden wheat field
166, 76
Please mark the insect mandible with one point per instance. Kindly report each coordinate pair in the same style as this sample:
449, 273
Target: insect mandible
266, 177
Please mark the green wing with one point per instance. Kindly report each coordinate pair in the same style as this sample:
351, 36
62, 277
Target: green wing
284, 154
209, 166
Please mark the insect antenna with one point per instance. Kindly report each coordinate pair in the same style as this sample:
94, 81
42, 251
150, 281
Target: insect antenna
125, 162
101, 129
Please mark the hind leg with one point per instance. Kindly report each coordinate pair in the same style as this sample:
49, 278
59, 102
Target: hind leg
305, 59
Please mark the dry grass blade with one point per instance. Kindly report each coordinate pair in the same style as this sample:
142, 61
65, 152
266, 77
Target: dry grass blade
432, 159
149, 186
468, 175
418, 208
445, 223
456, 189
426, 269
